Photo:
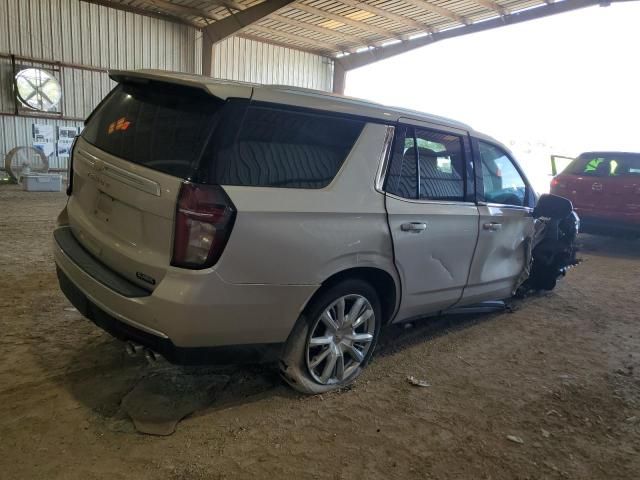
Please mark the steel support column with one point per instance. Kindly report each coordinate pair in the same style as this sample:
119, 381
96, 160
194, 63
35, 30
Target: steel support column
339, 77
234, 24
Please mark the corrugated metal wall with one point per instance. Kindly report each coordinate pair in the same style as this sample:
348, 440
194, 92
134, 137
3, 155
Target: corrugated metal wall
90, 35
251, 61
75, 32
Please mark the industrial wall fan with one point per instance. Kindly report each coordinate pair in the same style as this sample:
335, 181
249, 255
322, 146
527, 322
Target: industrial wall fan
23, 160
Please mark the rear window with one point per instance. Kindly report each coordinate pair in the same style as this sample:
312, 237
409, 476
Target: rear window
266, 146
605, 164
160, 126
188, 133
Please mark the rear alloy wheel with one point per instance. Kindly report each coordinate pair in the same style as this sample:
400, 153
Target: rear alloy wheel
340, 339
333, 339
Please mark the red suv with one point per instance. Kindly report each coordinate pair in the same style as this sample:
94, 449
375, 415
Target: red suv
604, 188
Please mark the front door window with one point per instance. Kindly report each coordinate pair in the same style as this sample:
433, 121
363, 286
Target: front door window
501, 180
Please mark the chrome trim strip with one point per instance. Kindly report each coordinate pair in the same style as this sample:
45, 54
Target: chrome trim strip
91, 159
129, 178
385, 157
462, 130
503, 205
428, 202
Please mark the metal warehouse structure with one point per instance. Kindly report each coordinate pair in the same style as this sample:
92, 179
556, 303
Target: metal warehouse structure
307, 43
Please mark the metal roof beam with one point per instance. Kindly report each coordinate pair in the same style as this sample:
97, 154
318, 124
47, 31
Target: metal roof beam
385, 34
167, 17
224, 3
374, 55
318, 45
229, 4
491, 5
270, 41
443, 12
236, 22
182, 10
328, 32
421, 27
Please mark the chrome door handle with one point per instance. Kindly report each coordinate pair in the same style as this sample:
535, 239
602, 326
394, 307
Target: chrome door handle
492, 227
415, 227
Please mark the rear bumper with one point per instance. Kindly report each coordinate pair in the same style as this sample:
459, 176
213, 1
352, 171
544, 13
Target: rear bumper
251, 353
190, 317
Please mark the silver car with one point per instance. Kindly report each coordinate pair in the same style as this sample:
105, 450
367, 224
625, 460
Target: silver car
211, 221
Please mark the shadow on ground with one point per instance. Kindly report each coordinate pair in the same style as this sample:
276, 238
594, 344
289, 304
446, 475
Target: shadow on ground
619, 246
126, 394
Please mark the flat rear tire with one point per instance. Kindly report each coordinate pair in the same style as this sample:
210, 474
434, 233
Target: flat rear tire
334, 338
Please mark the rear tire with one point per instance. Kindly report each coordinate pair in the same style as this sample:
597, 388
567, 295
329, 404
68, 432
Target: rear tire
334, 338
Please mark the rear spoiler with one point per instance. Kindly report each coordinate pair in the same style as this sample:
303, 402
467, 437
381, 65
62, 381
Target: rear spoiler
221, 89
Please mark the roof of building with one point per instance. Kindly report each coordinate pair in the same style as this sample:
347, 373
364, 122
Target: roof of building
338, 28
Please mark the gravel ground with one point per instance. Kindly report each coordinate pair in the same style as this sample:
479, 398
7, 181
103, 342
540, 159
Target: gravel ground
550, 390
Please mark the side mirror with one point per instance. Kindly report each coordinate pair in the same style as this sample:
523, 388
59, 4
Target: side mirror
552, 206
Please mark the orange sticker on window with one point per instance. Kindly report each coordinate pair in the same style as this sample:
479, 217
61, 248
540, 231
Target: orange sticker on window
119, 125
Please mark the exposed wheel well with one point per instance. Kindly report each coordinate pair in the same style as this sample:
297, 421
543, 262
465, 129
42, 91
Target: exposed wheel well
379, 279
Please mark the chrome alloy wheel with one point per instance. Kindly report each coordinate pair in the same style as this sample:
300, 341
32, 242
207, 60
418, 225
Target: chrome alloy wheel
340, 339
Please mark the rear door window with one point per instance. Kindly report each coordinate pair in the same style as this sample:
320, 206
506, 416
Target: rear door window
426, 165
441, 166
157, 125
264, 146
402, 178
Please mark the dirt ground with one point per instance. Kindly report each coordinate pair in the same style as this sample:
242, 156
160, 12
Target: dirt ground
561, 373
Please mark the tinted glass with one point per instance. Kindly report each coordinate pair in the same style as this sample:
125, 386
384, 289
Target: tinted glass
501, 180
268, 147
630, 165
605, 164
159, 126
441, 166
402, 178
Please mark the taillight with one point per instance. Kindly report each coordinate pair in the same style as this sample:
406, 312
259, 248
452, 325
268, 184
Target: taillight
204, 219
70, 167
555, 182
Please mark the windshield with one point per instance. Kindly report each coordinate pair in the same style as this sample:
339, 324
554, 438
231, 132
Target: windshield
160, 126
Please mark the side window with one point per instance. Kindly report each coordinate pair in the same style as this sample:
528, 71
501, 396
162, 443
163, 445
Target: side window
501, 180
426, 165
631, 165
402, 178
593, 166
269, 147
622, 165
440, 165
600, 167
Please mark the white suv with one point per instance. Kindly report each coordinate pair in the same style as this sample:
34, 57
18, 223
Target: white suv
210, 221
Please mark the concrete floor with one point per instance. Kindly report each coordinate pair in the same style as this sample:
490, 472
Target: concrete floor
561, 374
